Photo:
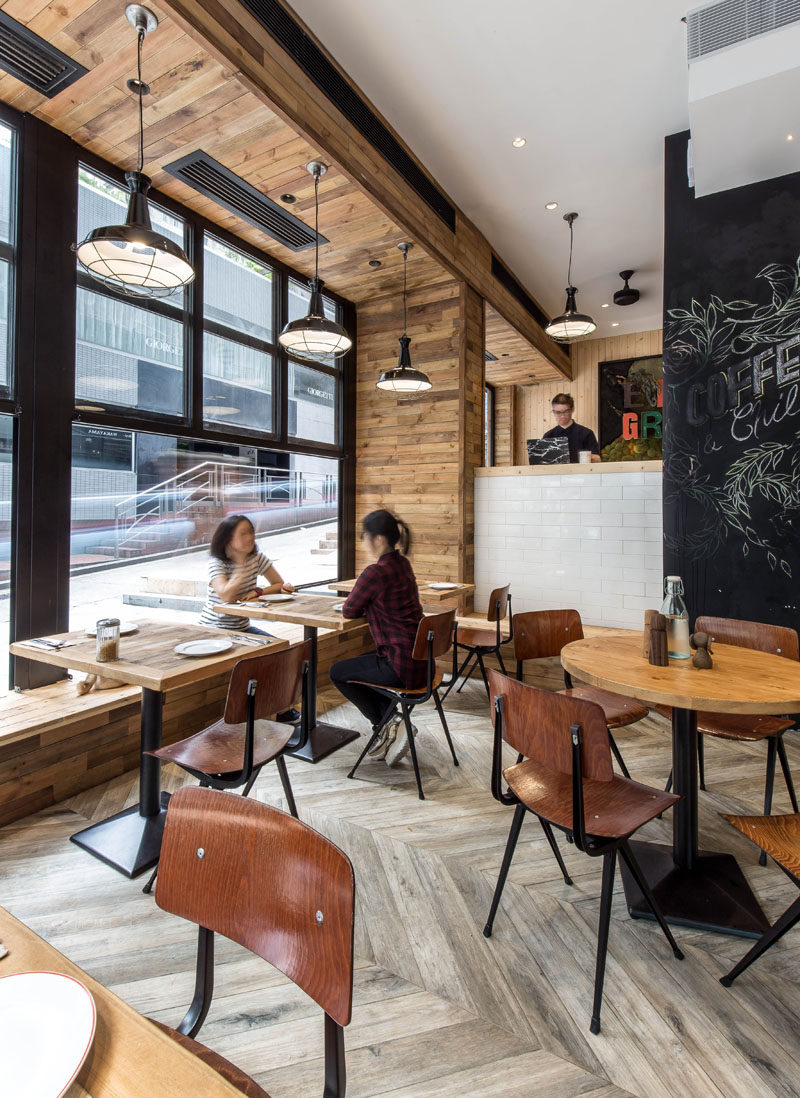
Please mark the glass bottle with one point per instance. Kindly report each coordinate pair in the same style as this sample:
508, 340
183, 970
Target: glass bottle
674, 610
107, 640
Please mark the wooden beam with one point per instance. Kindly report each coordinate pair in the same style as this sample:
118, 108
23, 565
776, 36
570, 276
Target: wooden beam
264, 67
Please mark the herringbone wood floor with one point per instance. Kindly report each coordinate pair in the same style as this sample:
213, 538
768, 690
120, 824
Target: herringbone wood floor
440, 1011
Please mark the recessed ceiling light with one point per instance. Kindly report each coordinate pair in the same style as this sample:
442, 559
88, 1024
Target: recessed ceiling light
375, 263
790, 137
551, 205
615, 324
604, 305
288, 199
518, 142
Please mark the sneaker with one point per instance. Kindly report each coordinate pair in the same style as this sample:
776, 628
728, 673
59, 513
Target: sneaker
289, 716
399, 749
387, 736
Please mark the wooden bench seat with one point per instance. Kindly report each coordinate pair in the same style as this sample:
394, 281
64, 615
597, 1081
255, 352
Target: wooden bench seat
30, 713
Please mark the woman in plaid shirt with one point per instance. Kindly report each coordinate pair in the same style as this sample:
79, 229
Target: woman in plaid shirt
386, 595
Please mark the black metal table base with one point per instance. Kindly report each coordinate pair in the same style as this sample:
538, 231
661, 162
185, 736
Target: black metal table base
323, 740
713, 895
128, 842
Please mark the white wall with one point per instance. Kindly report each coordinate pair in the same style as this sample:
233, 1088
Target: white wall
590, 542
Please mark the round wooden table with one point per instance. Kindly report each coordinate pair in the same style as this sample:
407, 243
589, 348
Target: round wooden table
694, 888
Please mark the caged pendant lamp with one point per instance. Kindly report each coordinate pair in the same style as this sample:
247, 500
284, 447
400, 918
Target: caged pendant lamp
132, 258
314, 335
571, 324
403, 378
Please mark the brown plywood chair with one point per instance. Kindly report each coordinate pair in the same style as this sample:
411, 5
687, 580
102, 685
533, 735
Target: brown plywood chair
435, 636
274, 885
539, 634
230, 753
567, 781
779, 836
480, 643
779, 640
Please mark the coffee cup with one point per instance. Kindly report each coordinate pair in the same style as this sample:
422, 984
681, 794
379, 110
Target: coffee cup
584, 456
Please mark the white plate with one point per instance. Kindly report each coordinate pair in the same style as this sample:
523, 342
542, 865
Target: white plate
444, 586
210, 646
125, 629
47, 1023
337, 606
275, 598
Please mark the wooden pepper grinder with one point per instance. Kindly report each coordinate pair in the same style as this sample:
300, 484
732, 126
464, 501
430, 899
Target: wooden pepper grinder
648, 625
701, 642
658, 641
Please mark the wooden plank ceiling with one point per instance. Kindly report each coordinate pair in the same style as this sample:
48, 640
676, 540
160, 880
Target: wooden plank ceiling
198, 102
517, 362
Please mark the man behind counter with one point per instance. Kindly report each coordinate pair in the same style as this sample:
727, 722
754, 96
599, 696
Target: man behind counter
578, 437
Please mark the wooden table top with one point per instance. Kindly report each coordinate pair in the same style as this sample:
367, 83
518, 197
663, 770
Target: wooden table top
147, 658
130, 1057
426, 592
741, 680
314, 610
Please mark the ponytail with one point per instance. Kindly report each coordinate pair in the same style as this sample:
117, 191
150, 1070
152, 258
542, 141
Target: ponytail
384, 524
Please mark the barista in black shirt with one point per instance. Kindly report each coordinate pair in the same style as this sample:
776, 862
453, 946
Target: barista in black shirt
578, 437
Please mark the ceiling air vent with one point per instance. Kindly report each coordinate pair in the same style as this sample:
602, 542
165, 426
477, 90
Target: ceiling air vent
278, 22
727, 22
505, 278
223, 186
33, 61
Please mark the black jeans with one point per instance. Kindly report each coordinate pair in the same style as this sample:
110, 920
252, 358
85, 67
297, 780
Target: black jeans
370, 668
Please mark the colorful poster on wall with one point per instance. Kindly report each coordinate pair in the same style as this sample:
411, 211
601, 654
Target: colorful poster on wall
629, 406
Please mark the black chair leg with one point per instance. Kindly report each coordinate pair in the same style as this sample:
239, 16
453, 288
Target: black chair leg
636, 872
500, 661
251, 783
148, 888
617, 755
465, 670
458, 673
483, 672
769, 785
360, 758
280, 762
413, 750
511, 843
668, 786
548, 831
701, 760
609, 867
440, 711
787, 774
789, 918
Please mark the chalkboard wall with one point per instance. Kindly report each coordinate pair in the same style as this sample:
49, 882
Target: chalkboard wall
732, 395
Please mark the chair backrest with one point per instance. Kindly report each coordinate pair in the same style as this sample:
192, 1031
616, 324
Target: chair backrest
267, 881
279, 682
542, 633
499, 595
778, 639
536, 723
441, 625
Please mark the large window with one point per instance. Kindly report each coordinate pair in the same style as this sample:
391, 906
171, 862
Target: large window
144, 508
6, 474
8, 143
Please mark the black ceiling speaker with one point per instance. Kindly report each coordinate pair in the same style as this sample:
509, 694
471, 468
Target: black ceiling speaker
626, 296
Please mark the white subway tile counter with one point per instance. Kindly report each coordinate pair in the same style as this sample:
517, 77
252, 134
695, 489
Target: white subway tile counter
586, 537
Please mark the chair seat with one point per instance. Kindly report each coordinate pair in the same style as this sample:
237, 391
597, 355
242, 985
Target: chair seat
219, 749
612, 809
736, 726
619, 711
404, 690
779, 836
223, 1067
469, 637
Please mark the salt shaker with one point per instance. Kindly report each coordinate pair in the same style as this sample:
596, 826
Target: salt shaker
107, 640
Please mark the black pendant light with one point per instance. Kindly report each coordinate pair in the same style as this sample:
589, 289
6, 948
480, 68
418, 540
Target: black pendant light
571, 324
132, 258
403, 378
314, 336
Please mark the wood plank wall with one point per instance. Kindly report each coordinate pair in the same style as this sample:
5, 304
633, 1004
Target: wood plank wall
505, 397
415, 454
533, 415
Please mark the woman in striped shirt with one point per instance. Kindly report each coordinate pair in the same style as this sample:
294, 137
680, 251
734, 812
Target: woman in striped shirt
233, 571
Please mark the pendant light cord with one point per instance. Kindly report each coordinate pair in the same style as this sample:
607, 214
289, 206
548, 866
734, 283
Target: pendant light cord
405, 295
316, 223
140, 38
569, 270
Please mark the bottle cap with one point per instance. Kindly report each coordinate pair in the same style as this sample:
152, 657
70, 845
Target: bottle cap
673, 579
